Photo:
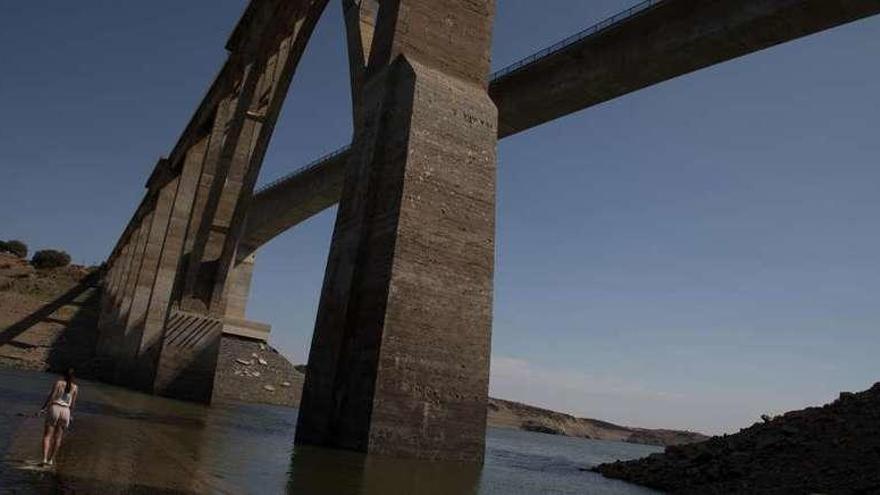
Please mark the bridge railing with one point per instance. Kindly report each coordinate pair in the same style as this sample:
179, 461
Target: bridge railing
590, 31
304, 168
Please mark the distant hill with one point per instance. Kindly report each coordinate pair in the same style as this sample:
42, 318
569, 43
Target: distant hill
830, 449
507, 414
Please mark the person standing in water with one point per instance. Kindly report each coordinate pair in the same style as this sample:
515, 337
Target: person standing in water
57, 408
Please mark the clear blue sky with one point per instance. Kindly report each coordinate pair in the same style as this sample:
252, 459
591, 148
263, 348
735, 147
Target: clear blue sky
691, 255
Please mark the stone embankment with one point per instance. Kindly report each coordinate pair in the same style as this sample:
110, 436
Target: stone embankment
833, 449
507, 414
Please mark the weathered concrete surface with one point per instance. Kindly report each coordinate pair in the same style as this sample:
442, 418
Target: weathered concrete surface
150, 340
399, 359
671, 39
674, 38
239, 288
189, 356
147, 272
293, 201
176, 253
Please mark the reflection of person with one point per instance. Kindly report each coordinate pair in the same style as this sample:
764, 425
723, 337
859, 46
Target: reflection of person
60, 402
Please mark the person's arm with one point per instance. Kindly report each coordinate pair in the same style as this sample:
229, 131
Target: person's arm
73, 397
48, 398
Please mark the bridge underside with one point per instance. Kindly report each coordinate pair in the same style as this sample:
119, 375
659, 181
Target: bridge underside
661, 42
399, 360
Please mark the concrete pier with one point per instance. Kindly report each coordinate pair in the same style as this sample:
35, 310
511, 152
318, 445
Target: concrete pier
399, 358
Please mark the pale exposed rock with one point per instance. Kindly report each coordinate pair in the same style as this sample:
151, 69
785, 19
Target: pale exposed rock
263, 361
270, 388
285, 384
244, 362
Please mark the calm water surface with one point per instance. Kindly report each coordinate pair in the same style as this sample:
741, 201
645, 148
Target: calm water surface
122, 442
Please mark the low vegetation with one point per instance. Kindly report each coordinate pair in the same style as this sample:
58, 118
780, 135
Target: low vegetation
50, 258
15, 247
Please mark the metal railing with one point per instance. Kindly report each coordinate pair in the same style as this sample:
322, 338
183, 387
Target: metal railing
590, 31
302, 169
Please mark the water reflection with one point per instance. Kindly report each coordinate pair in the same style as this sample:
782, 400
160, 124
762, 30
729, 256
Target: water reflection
319, 471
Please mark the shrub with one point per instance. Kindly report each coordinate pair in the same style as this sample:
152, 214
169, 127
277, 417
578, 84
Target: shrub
15, 247
50, 258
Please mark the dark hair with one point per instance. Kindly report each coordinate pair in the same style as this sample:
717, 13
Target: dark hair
68, 377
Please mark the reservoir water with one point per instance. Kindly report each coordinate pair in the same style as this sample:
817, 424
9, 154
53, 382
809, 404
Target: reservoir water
121, 442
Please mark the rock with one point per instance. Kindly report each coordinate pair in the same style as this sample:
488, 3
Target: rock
270, 388
830, 449
244, 362
255, 355
255, 373
285, 384
262, 346
263, 361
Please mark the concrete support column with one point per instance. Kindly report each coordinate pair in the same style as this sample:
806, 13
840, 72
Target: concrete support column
239, 288
109, 298
150, 342
109, 333
146, 276
127, 294
399, 362
196, 215
214, 219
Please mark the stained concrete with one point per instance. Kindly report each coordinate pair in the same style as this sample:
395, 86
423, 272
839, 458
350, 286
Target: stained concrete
399, 357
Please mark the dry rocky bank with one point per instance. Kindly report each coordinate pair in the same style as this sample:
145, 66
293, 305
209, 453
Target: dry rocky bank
48, 322
832, 449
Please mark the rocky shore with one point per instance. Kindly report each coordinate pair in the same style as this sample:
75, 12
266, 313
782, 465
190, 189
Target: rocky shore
252, 371
833, 449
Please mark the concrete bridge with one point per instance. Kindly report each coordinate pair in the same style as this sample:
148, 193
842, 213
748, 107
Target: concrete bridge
399, 361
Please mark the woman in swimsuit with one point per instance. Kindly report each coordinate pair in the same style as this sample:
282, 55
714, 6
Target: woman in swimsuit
58, 404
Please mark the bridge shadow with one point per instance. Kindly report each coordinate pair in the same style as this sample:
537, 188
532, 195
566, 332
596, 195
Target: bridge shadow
74, 345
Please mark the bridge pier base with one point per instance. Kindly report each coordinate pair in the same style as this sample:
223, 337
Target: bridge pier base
399, 363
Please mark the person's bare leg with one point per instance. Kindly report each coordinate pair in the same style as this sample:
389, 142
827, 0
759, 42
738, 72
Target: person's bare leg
59, 433
48, 434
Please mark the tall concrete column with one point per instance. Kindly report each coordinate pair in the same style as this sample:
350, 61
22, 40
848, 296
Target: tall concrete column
360, 26
150, 341
399, 362
214, 222
239, 287
146, 276
109, 299
127, 295
110, 333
